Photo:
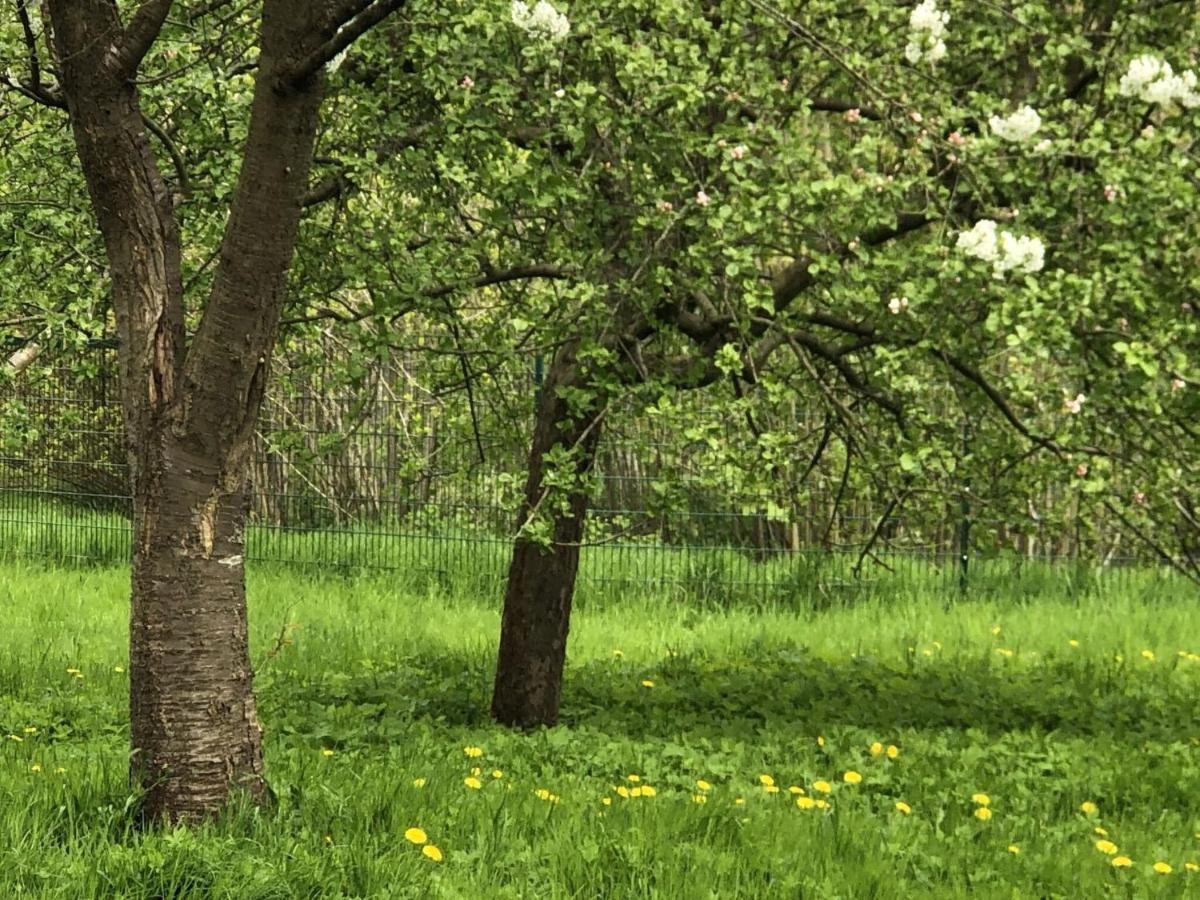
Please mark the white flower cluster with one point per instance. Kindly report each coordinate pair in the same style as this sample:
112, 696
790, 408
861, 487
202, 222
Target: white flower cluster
542, 21
1004, 250
1018, 127
926, 33
1151, 79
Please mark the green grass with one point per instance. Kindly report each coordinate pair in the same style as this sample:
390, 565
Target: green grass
396, 682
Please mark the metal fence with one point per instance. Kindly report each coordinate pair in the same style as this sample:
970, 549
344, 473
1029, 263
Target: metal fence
388, 470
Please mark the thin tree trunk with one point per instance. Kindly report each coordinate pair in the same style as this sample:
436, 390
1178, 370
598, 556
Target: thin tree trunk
541, 580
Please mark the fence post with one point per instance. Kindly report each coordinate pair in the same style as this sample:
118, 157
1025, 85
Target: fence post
964, 526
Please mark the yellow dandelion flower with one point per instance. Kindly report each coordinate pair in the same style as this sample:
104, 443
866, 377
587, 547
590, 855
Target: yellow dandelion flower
1005, 652
648, 791
699, 798
1192, 867
1106, 846
418, 782
852, 777
636, 792
415, 835
35, 768
1148, 654
823, 786
432, 852
822, 804
329, 838
326, 752
477, 771
820, 741
30, 730
17, 738
543, 794
60, 771
118, 668
1118, 658
496, 773
472, 782
995, 630
607, 801
73, 672
1073, 642
1014, 849
1100, 831
983, 814
617, 654
473, 752
1163, 868
1088, 808
927, 653
1121, 862
766, 780
647, 683
770, 789
981, 799
892, 751
739, 801
806, 802
623, 791
703, 785
633, 779
795, 789
902, 807
876, 749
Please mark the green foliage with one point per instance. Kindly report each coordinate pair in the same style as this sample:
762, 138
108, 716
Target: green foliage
987, 697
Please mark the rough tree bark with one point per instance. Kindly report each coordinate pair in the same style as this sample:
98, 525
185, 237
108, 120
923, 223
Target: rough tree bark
541, 581
190, 410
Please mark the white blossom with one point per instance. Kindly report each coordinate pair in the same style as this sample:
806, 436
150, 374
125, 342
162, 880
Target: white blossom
702, 199
926, 33
1018, 127
1074, 406
897, 305
543, 21
1005, 251
1152, 80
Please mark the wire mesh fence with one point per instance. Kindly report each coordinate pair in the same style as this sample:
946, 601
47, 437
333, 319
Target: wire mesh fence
388, 471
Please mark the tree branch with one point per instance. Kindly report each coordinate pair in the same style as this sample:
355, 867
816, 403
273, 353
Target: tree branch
365, 20
139, 36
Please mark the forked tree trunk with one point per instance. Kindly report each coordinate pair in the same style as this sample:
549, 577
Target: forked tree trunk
190, 411
541, 581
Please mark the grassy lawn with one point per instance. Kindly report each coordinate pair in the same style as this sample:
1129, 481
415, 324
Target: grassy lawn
735, 719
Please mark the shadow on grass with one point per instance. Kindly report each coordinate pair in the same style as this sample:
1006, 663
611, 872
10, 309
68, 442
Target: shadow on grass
778, 692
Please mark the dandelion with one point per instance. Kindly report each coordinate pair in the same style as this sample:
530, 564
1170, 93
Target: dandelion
796, 790
415, 835
983, 814
329, 838
1103, 832
326, 752
892, 751
876, 749
822, 804
771, 789
1073, 643
543, 794
995, 631
1163, 868
823, 786
1005, 652
699, 798
618, 654
432, 852
766, 780
418, 782
623, 792
1148, 654
473, 752
636, 792
852, 777
1014, 849
60, 771
703, 785
904, 808
35, 768
477, 771
820, 741
1192, 867
647, 683
473, 783
981, 799
496, 773
1121, 862
607, 801
739, 801
648, 791
633, 779
806, 802
30, 729
1106, 846
1088, 808
118, 668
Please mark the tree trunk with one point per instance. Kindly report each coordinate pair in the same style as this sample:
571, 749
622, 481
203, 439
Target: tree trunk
541, 581
190, 411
